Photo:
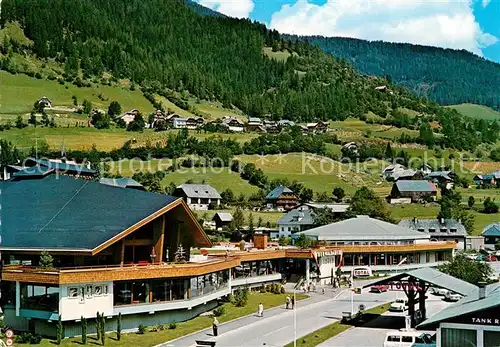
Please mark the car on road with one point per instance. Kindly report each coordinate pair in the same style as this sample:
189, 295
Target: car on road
408, 338
379, 288
400, 305
439, 291
452, 296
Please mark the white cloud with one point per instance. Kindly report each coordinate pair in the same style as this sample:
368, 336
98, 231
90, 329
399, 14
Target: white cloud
442, 23
485, 3
232, 8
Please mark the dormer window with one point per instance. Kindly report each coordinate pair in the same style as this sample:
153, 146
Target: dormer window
444, 230
432, 230
421, 230
453, 230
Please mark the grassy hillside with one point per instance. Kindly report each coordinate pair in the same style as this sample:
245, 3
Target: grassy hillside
19, 92
477, 111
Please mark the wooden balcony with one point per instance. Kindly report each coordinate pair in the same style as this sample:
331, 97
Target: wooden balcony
93, 274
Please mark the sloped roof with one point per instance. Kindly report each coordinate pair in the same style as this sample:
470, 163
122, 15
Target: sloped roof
60, 212
432, 276
65, 167
415, 186
254, 120
203, 191
337, 208
438, 174
470, 304
124, 182
363, 228
224, 216
492, 230
297, 217
276, 192
435, 224
34, 171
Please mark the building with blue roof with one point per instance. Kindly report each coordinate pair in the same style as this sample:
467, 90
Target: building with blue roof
413, 190
491, 235
281, 198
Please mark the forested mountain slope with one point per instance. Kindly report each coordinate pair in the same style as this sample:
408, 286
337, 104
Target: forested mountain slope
445, 75
165, 44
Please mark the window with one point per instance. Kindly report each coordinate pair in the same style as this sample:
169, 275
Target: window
420, 229
406, 338
458, 337
432, 230
491, 338
443, 230
393, 338
453, 230
39, 297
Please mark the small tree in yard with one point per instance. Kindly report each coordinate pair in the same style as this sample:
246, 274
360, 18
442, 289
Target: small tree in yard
497, 246
114, 108
466, 269
471, 201
490, 206
59, 332
46, 260
84, 331
119, 327
338, 193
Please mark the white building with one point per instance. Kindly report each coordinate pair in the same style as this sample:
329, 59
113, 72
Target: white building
198, 196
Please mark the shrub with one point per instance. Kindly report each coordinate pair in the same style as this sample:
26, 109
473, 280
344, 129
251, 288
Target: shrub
263, 288
141, 329
219, 311
32, 339
172, 326
241, 297
282, 290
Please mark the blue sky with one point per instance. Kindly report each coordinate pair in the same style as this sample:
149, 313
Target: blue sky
473, 25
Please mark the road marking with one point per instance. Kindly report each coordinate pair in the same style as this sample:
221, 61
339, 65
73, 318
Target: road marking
275, 331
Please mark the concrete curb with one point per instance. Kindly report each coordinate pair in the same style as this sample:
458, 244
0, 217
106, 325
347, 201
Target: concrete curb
166, 343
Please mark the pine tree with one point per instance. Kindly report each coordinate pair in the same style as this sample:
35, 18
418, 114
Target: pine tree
180, 254
102, 323
59, 332
119, 327
84, 331
98, 326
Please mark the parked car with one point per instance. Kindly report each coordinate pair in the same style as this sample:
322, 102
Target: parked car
439, 291
400, 305
379, 288
491, 258
471, 256
452, 296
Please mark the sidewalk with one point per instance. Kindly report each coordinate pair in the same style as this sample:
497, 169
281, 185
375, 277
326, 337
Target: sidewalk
206, 334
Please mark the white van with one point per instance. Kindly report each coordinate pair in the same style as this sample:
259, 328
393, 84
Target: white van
408, 338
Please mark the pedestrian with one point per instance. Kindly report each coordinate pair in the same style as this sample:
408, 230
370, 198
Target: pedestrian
323, 290
261, 310
215, 326
287, 301
293, 302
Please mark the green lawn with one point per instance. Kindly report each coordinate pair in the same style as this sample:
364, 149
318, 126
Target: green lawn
477, 111
184, 328
219, 178
318, 173
279, 55
410, 211
323, 334
19, 92
74, 138
271, 217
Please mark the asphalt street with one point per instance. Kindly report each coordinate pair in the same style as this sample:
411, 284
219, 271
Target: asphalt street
276, 328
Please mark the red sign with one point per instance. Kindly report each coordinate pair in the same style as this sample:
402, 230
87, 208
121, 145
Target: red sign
404, 285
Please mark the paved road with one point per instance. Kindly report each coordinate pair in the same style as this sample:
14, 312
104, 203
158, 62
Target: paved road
374, 337
277, 326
